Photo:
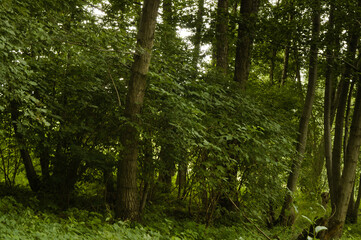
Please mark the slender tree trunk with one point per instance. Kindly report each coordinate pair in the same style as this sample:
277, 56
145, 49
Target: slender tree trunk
246, 31
167, 153
337, 220
285, 65
127, 206
222, 35
273, 64
31, 175
168, 12
148, 173
109, 186
340, 117
167, 168
182, 179
298, 68
287, 53
287, 214
198, 35
347, 116
354, 214
353, 207
329, 75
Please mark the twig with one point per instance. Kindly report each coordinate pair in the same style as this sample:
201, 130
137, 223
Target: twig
116, 89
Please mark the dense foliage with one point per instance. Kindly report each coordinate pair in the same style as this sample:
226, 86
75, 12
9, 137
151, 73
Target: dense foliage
214, 145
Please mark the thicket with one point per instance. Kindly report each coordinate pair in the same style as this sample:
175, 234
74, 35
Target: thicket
213, 157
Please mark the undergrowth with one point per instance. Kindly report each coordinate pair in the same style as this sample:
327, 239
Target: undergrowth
30, 220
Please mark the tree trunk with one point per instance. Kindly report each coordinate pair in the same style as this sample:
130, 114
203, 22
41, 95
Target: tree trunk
287, 214
287, 51
148, 173
167, 159
285, 65
167, 168
246, 30
222, 36
353, 207
168, 12
127, 206
182, 179
347, 116
31, 175
298, 67
340, 117
327, 119
198, 35
353, 214
337, 220
273, 63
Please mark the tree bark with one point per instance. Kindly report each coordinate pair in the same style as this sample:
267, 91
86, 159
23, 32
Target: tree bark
31, 174
353, 207
287, 50
298, 68
148, 173
127, 205
167, 168
347, 116
182, 179
327, 119
337, 220
246, 31
222, 36
167, 152
352, 214
273, 64
287, 214
285, 65
340, 117
198, 35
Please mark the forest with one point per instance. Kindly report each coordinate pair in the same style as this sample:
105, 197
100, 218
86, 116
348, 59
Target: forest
188, 119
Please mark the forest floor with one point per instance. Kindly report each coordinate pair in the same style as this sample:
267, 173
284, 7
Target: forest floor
28, 218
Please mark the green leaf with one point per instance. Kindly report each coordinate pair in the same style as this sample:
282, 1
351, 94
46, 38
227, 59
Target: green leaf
309, 220
320, 228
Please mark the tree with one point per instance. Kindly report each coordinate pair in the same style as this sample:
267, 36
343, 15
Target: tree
287, 214
222, 35
197, 38
342, 184
246, 32
127, 206
337, 220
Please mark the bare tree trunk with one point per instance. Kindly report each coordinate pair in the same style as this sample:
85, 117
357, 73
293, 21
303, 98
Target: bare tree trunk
31, 175
337, 220
167, 168
287, 214
222, 35
298, 68
246, 30
182, 179
127, 205
148, 173
353, 207
287, 53
285, 65
347, 116
328, 101
353, 214
340, 117
198, 35
272, 68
